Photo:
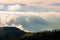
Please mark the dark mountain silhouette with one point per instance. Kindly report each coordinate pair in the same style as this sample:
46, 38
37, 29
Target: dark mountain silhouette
46, 35
12, 33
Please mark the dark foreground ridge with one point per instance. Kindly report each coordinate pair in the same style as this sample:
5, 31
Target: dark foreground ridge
12, 33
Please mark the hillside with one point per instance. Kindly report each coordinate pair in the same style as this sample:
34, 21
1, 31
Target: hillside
12, 33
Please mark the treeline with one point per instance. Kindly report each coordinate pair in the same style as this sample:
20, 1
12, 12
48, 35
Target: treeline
12, 33
46, 35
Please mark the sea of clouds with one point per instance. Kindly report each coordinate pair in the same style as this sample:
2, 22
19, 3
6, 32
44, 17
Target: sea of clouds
30, 21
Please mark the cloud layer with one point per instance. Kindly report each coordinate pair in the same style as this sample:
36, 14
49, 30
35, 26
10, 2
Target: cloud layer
34, 5
31, 21
30, 15
14, 7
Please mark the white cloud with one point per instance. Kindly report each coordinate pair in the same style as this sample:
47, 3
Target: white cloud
12, 15
1, 7
43, 3
7, 16
27, 1
50, 16
14, 7
20, 27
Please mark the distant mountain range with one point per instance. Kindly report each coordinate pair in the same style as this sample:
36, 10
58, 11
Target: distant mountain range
13, 33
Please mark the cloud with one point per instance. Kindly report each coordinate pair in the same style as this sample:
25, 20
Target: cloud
1, 7
55, 4
50, 15
46, 4
6, 17
30, 21
47, 29
14, 7
26, 1
12, 15
33, 9
20, 27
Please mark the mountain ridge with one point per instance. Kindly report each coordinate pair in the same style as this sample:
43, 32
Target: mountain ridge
13, 33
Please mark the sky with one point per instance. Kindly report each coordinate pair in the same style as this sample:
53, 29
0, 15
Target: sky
30, 5
30, 15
